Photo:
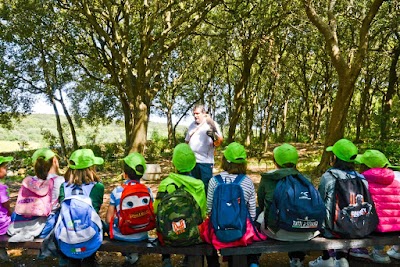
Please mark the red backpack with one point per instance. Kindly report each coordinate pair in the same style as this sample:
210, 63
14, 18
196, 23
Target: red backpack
136, 213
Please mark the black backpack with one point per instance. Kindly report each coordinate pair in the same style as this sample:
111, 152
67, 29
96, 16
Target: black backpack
353, 211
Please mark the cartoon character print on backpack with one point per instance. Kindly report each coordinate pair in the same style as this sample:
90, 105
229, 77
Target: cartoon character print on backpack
229, 211
297, 205
354, 214
78, 231
178, 218
136, 213
34, 197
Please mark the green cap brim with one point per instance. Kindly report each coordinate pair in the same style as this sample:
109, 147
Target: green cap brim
5, 159
396, 168
329, 148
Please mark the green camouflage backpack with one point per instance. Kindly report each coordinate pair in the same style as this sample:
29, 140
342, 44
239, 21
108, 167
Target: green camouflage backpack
178, 218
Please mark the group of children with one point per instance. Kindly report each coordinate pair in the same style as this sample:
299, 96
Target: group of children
376, 171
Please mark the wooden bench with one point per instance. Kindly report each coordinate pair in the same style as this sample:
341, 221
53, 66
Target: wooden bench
316, 244
195, 253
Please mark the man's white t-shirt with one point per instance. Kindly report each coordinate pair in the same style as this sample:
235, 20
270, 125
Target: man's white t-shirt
201, 144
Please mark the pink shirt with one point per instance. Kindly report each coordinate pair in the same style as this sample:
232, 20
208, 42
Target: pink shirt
4, 218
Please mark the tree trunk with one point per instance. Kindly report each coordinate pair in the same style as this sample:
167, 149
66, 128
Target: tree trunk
388, 97
338, 117
75, 144
283, 121
59, 128
171, 132
363, 108
347, 67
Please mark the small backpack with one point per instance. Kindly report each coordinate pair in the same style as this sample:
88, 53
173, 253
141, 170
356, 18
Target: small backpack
178, 218
297, 205
353, 211
79, 231
229, 211
136, 213
34, 197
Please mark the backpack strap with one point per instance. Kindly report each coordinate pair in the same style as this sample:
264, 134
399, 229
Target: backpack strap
239, 178
72, 189
218, 178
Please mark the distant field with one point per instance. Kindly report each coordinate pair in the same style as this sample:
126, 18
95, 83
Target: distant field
29, 132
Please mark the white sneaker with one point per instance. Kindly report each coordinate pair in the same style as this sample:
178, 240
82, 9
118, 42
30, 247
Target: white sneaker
341, 263
4, 255
379, 256
393, 253
296, 262
319, 262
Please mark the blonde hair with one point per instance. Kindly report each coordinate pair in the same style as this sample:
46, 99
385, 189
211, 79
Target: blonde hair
81, 176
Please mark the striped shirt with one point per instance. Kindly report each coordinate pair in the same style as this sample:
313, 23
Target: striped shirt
247, 187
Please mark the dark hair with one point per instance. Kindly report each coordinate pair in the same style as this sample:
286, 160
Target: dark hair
131, 172
42, 167
233, 168
3, 164
286, 165
343, 165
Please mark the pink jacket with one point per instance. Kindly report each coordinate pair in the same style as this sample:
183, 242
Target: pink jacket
384, 186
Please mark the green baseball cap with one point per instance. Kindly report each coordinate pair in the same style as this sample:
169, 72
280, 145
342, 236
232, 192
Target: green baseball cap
183, 158
83, 158
375, 159
133, 160
344, 150
235, 153
44, 153
286, 153
5, 159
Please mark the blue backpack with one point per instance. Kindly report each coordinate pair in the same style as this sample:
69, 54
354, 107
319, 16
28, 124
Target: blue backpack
79, 231
297, 206
229, 211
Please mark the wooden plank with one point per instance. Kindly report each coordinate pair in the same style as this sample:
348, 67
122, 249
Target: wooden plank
153, 246
318, 243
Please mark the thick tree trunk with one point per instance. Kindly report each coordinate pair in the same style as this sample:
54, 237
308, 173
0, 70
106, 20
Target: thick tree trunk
338, 117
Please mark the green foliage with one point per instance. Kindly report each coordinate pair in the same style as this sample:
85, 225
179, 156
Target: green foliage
157, 147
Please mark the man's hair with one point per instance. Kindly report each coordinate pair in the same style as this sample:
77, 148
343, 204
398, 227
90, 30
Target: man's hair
132, 173
201, 107
234, 168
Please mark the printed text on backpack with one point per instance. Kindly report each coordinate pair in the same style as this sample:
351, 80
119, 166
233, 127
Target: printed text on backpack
79, 229
178, 218
297, 205
229, 210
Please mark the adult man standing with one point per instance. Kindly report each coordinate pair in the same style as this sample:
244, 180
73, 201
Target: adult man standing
203, 136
